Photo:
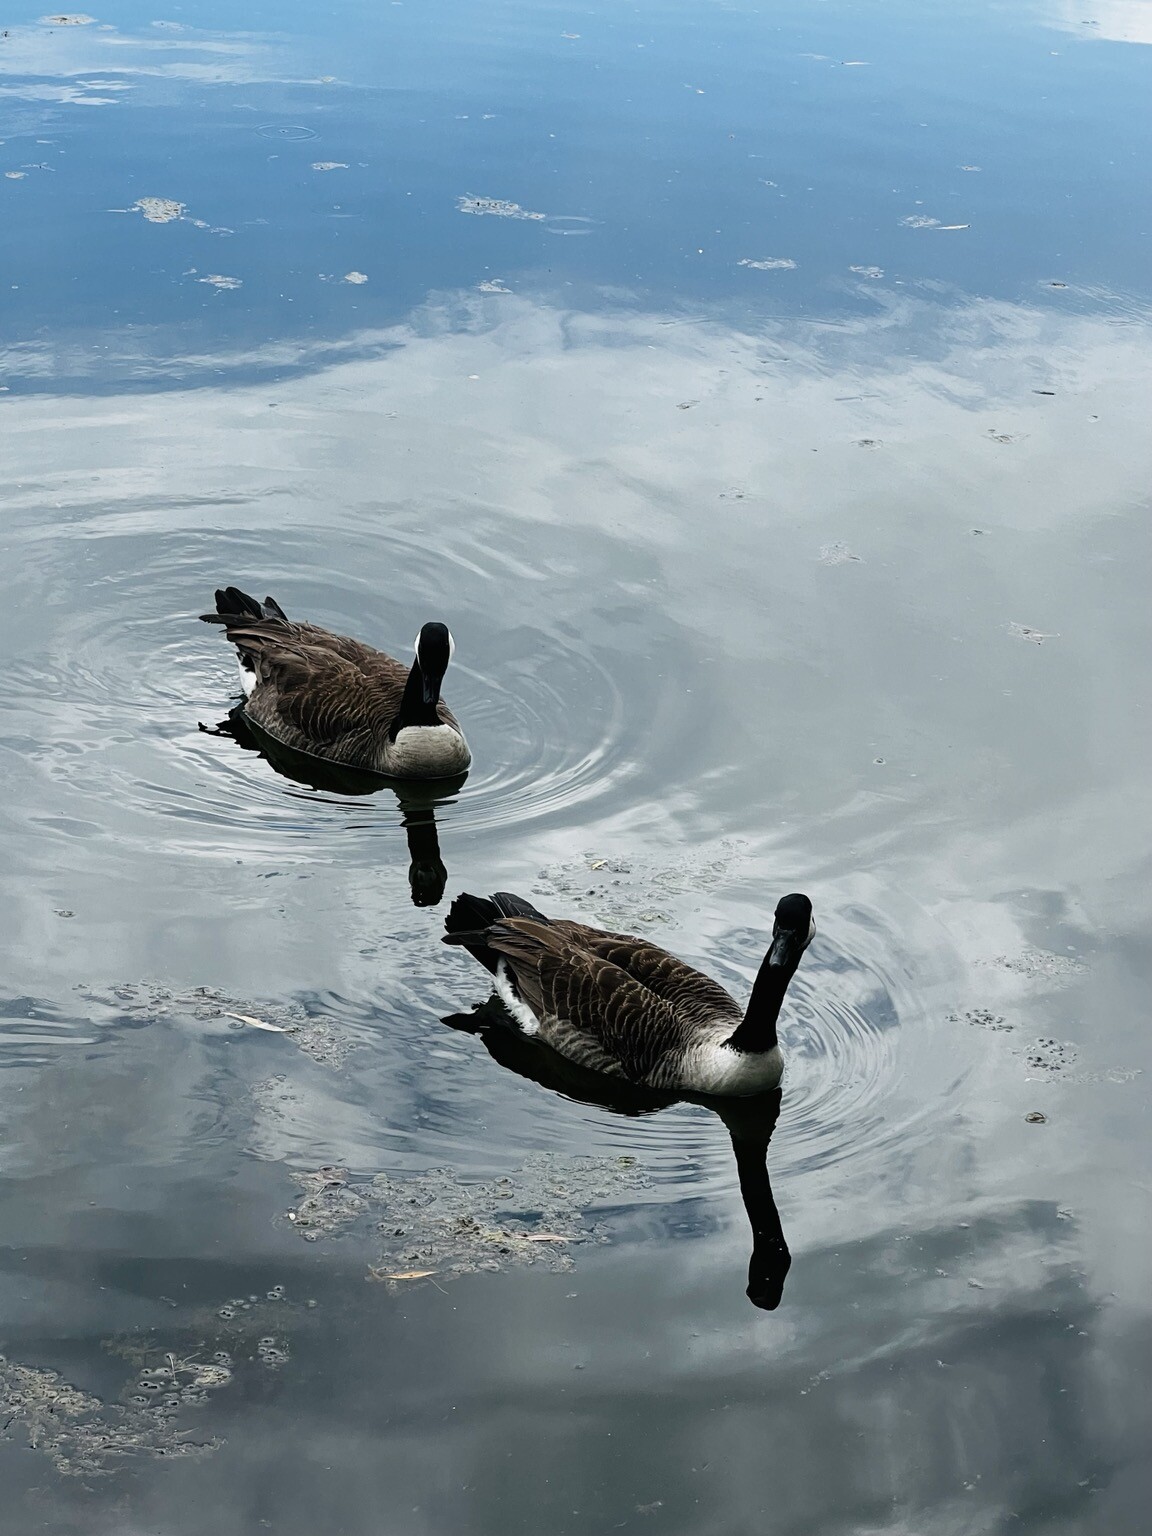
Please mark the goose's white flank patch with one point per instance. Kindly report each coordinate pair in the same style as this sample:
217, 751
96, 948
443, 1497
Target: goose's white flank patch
516, 1006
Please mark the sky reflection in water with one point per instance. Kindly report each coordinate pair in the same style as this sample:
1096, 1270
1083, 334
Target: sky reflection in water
792, 538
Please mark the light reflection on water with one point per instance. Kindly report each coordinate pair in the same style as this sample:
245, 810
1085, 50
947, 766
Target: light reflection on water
829, 576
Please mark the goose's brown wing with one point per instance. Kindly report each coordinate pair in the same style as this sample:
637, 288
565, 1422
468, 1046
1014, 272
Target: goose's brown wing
315, 688
584, 980
689, 991
322, 696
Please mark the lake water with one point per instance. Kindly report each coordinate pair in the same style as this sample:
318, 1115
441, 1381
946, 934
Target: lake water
762, 395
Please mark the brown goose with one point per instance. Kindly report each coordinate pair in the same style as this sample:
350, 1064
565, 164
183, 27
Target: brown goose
340, 700
622, 1006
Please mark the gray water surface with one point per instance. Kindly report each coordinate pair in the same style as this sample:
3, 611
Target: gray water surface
762, 395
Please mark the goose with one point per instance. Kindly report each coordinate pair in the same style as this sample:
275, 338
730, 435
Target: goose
749, 1121
622, 1006
340, 700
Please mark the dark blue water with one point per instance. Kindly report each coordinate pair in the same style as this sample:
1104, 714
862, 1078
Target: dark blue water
762, 395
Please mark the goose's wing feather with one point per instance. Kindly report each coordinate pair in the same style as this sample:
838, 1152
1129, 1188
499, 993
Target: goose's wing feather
325, 696
600, 986
317, 686
695, 996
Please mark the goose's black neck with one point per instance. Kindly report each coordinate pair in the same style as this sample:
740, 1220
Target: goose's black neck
419, 703
757, 1031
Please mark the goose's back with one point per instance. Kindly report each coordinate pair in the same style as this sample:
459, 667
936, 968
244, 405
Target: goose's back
613, 1002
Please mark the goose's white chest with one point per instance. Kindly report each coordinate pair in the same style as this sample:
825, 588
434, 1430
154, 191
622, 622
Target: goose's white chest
427, 752
714, 1067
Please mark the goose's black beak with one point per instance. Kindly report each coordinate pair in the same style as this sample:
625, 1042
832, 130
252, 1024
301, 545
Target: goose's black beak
787, 947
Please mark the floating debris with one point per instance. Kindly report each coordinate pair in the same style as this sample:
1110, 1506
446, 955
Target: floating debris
869, 442
247, 1018
159, 210
76, 19
354, 277
1050, 1056
219, 281
435, 1223
495, 206
981, 1018
769, 264
325, 1041
329, 165
492, 285
15, 175
922, 221
873, 272
1035, 963
1036, 1118
625, 889
1026, 632
836, 554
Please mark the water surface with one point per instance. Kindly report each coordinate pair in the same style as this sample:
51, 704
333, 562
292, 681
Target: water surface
761, 394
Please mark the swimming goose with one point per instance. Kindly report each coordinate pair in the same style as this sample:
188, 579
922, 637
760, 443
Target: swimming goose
340, 700
749, 1120
622, 1006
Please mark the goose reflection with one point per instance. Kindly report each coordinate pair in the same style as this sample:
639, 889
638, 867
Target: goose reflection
749, 1122
427, 876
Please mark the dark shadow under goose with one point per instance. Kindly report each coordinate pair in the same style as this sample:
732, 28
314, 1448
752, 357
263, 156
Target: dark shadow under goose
340, 700
427, 875
622, 1006
750, 1123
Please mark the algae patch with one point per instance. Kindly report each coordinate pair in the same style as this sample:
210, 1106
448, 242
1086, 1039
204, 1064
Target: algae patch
318, 1037
435, 1223
85, 1436
625, 893
159, 210
496, 207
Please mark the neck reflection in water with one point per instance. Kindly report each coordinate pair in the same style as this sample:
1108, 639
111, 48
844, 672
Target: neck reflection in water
427, 876
750, 1123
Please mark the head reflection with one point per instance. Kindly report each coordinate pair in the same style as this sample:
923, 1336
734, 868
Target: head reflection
749, 1122
427, 876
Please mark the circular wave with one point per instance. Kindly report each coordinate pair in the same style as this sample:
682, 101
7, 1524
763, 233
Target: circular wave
859, 1086
292, 133
113, 709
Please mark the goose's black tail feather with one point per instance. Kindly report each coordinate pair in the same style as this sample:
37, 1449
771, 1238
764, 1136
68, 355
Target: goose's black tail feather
236, 607
469, 917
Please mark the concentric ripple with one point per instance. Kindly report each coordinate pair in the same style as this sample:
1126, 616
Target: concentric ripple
860, 1084
110, 707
